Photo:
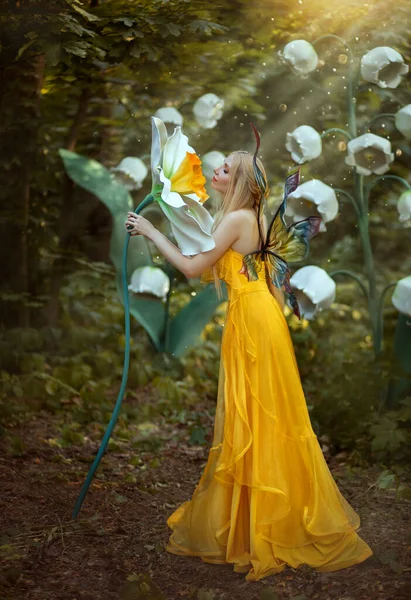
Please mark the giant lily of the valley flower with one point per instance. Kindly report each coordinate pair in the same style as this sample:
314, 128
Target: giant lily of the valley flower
212, 160
401, 297
150, 280
384, 66
312, 198
208, 109
404, 206
176, 172
301, 56
369, 153
314, 290
304, 143
403, 121
169, 114
131, 172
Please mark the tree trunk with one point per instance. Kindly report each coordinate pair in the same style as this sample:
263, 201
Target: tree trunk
19, 122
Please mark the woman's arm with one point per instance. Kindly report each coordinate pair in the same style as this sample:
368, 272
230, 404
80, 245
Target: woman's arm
224, 236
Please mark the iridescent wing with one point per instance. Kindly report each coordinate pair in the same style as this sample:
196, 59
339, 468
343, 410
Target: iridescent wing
291, 244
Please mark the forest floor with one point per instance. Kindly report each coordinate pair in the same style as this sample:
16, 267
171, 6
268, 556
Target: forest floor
116, 547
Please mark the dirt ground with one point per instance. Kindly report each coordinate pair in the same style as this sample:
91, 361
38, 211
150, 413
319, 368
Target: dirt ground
115, 548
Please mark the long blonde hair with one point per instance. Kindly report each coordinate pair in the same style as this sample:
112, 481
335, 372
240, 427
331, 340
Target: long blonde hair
242, 192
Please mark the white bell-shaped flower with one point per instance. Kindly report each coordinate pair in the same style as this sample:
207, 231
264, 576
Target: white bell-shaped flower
369, 153
131, 172
404, 206
150, 280
314, 290
401, 297
301, 56
312, 198
208, 109
169, 114
384, 66
403, 121
210, 161
304, 143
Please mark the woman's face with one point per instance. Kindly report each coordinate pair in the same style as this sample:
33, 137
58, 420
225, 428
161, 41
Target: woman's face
222, 176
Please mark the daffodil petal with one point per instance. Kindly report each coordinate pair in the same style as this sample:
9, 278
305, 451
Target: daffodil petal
191, 224
175, 151
158, 142
168, 196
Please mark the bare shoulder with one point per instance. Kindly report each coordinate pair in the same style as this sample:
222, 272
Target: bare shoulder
237, 217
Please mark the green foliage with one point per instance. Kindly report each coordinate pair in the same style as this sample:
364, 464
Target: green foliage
391, 434
89, 78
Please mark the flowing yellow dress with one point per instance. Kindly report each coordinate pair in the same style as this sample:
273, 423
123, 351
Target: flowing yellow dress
266, 498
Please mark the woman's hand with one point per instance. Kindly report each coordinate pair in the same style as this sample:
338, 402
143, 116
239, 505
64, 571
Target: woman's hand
139, 225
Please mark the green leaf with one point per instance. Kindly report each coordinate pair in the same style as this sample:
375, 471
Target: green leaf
84, 13
206, 27
174, 29
77, 48
188, 324
24, 47
95, 178
53, 54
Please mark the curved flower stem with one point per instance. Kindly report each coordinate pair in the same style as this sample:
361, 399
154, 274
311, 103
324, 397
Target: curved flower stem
377, 117
381, 177
369, 187
147, 200
327, 131
353, 276
353, 200
381, 311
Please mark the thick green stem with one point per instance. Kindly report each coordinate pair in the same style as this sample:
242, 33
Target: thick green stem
147, 200
381, 311
369, 264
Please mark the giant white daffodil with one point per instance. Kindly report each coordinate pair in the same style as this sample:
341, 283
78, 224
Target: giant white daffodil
369, 153
304, 143
401, 297
301, 56
404, 206
384, 66
403, 121
208, 109
314, 290
312, 198
131, 172
176, 172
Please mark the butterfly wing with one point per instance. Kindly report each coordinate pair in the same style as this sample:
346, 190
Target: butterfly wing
288, 244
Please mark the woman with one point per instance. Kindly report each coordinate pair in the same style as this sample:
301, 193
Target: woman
266, 498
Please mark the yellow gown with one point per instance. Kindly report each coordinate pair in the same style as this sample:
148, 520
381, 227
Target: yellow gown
266, 498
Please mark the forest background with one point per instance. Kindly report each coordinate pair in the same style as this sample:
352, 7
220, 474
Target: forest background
87, 76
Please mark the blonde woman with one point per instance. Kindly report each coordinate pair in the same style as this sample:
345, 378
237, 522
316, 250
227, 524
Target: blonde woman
266, 498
